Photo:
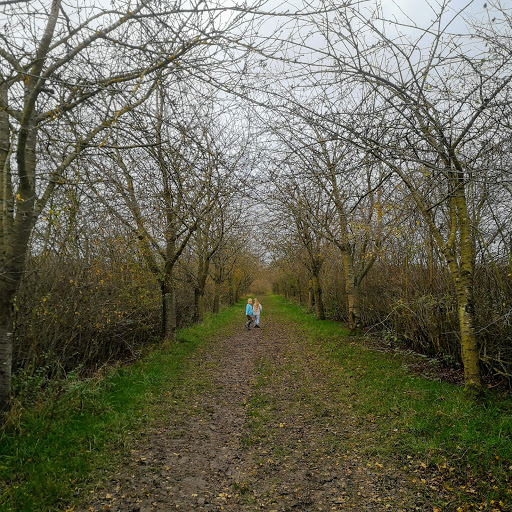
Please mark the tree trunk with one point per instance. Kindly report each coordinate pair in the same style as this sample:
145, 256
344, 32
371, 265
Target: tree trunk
216, 299
319, 305
231, 293
13, 263
311, 296
464, 286
195, 313
431, 264
5, 363
198, 305
463, 282
6, 295
352, 292
17, 224
169, 314
462, 273
354, 315
218, 279
468, 341
168, 307
9, 282
199, 294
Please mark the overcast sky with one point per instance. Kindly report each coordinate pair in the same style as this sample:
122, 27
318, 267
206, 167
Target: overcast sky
423, 12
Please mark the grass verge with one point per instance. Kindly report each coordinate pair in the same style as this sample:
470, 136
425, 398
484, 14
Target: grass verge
461, 448
69, 439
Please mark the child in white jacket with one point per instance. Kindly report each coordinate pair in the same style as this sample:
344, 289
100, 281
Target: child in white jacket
256, 311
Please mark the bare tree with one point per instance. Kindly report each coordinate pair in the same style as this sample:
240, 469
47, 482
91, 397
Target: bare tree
225, 158
68, 75
299, 206
224, 262
439, 102
162, 192
351, 184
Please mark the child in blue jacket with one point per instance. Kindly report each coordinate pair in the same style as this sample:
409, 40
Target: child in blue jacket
249, 314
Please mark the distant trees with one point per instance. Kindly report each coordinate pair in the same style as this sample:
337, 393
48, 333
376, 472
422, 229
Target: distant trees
297, 204
171, 186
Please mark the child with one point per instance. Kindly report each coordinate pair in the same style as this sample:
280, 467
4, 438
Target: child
256, 310
248, 314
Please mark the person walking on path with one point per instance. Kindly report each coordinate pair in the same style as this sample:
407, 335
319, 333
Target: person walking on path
256, 311
249, 314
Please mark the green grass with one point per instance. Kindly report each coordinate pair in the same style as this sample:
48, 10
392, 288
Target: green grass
59, 448
425, 423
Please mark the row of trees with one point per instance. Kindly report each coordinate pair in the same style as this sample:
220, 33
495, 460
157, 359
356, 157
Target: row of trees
133, 245
393, 120
135, 140
113, 151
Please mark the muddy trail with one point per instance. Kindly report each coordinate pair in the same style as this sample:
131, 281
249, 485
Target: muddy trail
271, 428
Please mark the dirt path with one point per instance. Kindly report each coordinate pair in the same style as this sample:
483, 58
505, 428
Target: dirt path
271, 432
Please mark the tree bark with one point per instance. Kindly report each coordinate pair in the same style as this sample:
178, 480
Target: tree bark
468, 341
464, 286
14, 247
216, 299
199, 292
311, 296
352, 292
5, 362
319, 305
462, 277
168, 310
218, 279
430, 263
